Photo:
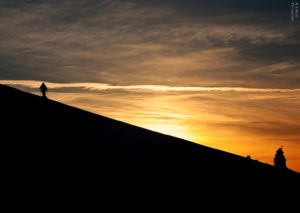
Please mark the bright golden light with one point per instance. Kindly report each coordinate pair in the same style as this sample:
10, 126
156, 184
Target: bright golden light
244, 122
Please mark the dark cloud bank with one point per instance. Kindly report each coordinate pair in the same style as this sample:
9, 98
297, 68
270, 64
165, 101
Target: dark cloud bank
179, 43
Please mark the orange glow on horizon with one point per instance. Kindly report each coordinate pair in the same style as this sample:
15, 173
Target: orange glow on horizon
248, 122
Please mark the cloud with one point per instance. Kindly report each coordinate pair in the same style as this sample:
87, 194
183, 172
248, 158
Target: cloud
203, 43
162, 88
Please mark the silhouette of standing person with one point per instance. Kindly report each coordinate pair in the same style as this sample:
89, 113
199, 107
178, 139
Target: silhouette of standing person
43, 89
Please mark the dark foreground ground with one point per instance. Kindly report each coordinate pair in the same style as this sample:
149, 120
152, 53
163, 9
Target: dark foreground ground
56, 158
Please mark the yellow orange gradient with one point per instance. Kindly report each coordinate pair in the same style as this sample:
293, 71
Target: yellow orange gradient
245, 121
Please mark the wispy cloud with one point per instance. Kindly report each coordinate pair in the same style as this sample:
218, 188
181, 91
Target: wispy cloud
130, 42
102, 86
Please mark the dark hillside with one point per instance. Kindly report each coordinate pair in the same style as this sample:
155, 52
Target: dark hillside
57, 158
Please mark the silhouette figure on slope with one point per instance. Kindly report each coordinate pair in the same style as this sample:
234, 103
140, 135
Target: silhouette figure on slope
44, 90
279, 159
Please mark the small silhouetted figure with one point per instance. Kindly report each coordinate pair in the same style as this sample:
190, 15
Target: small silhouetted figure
44, 90
279, 159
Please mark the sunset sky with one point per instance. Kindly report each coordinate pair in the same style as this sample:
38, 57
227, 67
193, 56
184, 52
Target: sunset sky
225, 74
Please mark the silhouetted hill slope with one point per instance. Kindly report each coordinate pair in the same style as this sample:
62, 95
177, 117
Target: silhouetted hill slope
57, 158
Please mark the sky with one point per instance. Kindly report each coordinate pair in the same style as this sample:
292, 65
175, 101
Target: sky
222, 73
